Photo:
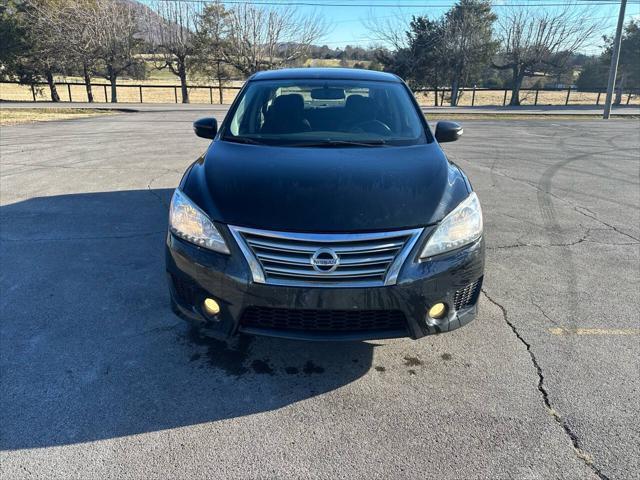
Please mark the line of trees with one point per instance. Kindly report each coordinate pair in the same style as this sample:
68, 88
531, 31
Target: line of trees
469, 44
81, 37
114, 38
596, 70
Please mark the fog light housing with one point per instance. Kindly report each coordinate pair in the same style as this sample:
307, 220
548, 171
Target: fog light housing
211, 307
438, 311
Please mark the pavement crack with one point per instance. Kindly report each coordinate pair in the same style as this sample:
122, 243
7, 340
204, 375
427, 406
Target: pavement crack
583, 238
580, 453
590, 214
154, 193
577, 208
544, 314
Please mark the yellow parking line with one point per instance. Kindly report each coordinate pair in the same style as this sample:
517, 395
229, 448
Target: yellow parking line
594, 331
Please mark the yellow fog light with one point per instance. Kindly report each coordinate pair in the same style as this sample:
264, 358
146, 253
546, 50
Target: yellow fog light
211, 306
438, 311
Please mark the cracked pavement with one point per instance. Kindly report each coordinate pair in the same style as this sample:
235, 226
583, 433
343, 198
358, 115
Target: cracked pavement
100, 380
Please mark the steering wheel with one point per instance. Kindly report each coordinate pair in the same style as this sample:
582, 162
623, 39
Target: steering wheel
371, 126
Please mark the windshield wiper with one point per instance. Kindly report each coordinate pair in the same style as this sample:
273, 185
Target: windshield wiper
339, 143
246, 140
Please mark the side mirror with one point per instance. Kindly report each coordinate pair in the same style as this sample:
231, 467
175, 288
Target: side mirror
448, 132
206, 127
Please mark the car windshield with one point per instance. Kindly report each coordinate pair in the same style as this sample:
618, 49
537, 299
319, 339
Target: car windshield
325, 113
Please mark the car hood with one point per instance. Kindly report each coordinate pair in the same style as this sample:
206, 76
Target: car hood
325, 189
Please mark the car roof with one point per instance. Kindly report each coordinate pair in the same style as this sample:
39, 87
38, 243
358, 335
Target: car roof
326, 73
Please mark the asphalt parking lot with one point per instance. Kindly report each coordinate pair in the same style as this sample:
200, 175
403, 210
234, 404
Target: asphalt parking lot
100, 380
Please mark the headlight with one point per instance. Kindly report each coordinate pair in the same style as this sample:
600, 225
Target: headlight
187, 221
461, 227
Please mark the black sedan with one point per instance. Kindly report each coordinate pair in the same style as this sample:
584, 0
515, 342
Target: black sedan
324, 208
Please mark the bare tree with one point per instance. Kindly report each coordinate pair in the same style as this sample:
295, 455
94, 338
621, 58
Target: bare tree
262, 38
114, 27
82, 45
172, 30
535, 41
43, 43
390, 32
62, 21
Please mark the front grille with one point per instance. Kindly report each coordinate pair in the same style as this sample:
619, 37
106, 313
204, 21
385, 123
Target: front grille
323, 320
467, 296
325, 260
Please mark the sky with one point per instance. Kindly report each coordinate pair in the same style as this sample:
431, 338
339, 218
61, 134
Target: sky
349, 27
346, 18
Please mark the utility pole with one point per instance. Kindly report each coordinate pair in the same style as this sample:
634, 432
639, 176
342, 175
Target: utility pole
614, 61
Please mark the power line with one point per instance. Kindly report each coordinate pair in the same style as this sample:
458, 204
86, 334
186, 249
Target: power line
356, 20
317, 3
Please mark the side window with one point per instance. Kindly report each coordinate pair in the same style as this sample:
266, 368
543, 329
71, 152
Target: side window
238, 118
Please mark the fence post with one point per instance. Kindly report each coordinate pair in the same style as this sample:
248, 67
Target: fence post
598, 98
175, 93
69, 90
566, 102
628, 98
33, 92
504, 99
140, 87
105, 93
535, 102
211, 95
473, 96
442, 98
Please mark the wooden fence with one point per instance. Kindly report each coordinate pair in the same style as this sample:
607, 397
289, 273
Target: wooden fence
155, 93
126, 92
469, 96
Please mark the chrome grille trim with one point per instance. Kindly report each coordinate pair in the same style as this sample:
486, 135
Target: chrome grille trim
365, 259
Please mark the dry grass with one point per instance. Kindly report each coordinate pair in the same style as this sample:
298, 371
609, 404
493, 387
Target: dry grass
496, 97
129, 93
521, 116
126, 94
16, 116
333, 62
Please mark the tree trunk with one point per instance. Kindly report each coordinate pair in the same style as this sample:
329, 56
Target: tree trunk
454, 92
220, 89
87, 83
114, 94
619, 90
183, 86
52, 86
518, 77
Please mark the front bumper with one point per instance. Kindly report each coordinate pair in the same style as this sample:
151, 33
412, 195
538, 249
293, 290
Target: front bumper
195, 273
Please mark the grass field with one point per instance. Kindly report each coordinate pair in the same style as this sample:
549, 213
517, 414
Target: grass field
16, 116
128, 92
431, 116
496, 97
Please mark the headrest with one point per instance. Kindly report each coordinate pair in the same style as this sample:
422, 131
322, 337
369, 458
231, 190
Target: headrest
292, 102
